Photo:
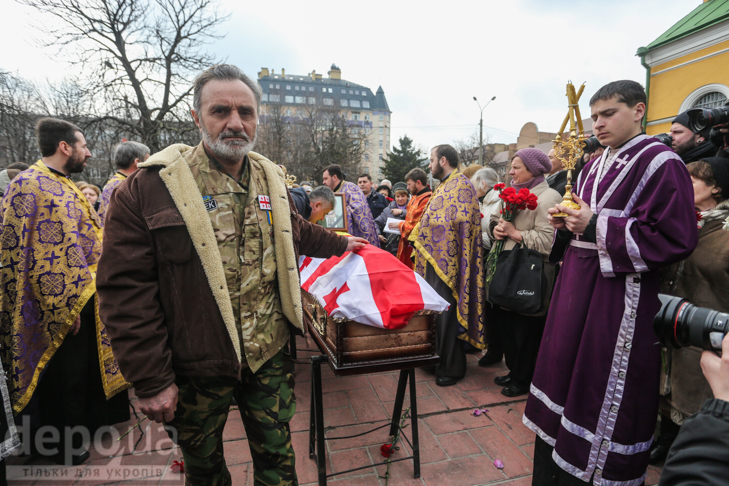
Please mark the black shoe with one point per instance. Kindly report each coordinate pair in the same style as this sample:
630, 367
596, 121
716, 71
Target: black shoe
446, 381
490, 359
659, 451
515, 390
75, 459
502, 380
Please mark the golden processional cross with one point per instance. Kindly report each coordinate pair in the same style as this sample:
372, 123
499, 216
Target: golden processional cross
570, 150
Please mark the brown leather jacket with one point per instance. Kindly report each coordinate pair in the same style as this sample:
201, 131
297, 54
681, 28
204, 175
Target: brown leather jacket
156, 293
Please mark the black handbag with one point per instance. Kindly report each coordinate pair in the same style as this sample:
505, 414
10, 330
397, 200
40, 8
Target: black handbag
519, 282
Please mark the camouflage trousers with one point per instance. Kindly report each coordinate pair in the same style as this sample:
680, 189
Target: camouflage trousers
267, 403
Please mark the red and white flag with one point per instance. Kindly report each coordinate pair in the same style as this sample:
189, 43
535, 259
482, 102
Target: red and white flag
369, 286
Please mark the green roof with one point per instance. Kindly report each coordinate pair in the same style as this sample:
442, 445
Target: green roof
703, 16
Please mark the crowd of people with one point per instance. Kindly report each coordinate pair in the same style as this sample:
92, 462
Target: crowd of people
178, 279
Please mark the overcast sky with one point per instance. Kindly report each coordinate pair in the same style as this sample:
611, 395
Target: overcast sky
430, 57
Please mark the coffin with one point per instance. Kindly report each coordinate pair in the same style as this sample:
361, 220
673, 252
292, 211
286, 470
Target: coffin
356, 347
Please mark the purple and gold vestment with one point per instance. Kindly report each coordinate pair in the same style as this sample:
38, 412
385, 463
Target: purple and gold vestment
449, 238
359, 216
115, 180
50, 240
594, 396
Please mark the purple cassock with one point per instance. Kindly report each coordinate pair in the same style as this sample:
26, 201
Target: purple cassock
594, 396
359, 216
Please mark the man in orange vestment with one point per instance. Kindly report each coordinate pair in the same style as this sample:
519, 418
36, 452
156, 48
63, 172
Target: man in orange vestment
417, 181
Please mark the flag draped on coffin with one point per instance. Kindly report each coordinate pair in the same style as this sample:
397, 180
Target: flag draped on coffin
369, 286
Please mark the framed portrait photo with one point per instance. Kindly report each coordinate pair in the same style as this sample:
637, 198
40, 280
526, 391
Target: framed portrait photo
336, 220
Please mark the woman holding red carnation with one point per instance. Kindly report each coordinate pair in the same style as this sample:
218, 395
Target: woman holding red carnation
521, 333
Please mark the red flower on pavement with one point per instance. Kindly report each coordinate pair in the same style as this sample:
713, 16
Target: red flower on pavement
386, 450
178, 466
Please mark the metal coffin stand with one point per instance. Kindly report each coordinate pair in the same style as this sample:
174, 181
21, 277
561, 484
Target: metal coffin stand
355, 349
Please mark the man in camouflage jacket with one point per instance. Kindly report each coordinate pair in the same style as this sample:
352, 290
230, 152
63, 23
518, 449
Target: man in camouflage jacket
199, 285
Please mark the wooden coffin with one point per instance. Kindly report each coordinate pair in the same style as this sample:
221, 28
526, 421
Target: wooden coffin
351, 345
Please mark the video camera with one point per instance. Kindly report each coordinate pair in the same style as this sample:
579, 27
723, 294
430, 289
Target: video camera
680, 323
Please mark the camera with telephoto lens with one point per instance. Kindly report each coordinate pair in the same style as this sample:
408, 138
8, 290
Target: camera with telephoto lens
680, 323
702, 118
591, 144
664, 138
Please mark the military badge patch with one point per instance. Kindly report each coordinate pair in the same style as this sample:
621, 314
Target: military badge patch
264, 202
210, 203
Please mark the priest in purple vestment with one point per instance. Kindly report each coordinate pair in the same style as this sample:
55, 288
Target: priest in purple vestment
359, 217
593, 401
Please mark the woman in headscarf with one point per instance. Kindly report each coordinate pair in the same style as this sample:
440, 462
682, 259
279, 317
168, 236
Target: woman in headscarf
521, 333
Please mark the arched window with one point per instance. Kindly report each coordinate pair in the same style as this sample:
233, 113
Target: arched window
708, 96
711, 100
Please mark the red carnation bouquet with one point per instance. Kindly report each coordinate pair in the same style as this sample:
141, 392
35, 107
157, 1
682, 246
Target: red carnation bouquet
511, 203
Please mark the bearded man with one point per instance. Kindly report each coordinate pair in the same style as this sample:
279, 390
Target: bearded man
51, 242
417, 184
689, 145
359, 216
199, 285
447, 251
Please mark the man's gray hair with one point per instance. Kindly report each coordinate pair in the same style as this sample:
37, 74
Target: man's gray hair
224, 72
323, 193
127, 152
485, 179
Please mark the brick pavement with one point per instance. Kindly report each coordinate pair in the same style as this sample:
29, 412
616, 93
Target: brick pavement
457, 448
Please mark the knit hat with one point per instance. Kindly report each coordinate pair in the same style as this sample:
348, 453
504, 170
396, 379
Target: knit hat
535, 161
720, 168
683, 119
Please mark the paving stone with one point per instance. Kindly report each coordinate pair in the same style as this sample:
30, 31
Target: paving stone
385, 385
490, 396
234, 429
528, 450
508, 419
466, 471
430, 449
343, 461
459, 444
239, 474
333, 384
238, 452
452, 397
499, 446
366, 406
455, 422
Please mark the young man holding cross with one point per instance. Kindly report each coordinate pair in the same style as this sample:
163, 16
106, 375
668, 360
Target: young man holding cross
593, 401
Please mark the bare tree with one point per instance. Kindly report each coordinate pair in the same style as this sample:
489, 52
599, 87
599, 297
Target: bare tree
307, 138
275, 135
21, 104
326, 138
139, 55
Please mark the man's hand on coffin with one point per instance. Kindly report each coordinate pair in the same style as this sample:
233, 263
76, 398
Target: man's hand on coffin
162, 406
354, 243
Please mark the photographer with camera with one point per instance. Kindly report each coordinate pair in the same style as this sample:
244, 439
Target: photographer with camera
703, 279
699, 454
690, 145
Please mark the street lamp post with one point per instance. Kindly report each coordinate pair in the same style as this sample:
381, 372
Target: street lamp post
480, 130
